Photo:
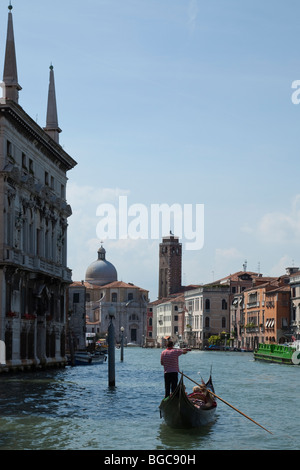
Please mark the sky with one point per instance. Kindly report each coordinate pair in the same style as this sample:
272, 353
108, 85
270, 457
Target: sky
183, 102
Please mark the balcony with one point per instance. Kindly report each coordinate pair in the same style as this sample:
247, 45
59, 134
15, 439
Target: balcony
253, 304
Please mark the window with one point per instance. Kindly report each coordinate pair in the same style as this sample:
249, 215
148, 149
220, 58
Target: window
224, 304
76, 298
114, 297
223, 322
8, 149
133, 317
130, 296
24, 161
206, 322
46, 178
207, 304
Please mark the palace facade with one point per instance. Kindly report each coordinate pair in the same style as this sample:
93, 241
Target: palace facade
33, 227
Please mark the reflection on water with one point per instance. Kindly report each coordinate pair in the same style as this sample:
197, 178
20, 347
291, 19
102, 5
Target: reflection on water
75, 409
182, 438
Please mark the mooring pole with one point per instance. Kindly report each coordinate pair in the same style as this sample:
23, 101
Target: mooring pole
122, 343
111, 351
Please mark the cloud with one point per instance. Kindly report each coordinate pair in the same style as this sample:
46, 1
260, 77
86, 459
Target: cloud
280, 267
192, 15
227, 254
82, 237
227, 260
135, 260
280, 227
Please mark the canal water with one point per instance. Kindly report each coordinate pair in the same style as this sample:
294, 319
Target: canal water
74, 408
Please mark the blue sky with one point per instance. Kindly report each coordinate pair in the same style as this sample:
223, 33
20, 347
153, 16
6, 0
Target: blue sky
172, 101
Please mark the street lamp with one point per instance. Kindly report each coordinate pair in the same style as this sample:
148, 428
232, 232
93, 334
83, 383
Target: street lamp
122, 343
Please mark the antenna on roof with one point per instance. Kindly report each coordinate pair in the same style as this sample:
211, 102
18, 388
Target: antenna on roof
245, 266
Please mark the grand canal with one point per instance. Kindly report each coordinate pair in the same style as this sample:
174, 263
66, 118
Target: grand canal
74, 408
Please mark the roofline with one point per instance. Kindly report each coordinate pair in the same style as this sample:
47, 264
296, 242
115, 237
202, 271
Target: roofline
16, 113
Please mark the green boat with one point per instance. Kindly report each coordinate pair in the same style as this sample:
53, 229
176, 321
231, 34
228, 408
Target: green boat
279, 353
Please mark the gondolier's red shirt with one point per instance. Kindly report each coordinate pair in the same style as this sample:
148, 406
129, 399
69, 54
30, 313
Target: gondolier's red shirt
169, 359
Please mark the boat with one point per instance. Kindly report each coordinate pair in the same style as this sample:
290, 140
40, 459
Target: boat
279, 353
85, 358
179, 411
102, 345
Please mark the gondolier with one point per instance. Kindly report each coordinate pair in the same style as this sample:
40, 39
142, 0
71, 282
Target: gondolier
169, 360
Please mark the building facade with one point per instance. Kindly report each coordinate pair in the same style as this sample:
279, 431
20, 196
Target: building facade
33, 227
76, 337
266, 315
169, 314
125, 304
107, 299
206, 314
294, 277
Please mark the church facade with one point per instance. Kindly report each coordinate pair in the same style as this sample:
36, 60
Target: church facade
33, 227
107, 299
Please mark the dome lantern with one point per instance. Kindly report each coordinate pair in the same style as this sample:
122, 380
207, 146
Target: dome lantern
101, 271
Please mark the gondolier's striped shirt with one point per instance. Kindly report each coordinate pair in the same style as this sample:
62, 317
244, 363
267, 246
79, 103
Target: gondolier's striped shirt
169, 359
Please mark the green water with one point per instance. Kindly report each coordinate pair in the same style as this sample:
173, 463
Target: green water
74, 408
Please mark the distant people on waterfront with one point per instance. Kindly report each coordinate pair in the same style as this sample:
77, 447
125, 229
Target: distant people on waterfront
169, 360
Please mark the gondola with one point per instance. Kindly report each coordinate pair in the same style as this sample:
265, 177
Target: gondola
179, 411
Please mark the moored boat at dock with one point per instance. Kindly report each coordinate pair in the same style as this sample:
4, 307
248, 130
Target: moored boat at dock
279, 353
85, 358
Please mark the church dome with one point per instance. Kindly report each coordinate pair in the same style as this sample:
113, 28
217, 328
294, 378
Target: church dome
101, 271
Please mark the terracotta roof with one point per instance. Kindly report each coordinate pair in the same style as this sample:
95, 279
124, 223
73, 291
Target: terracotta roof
115, 284
237, 275
118, 284
280, 288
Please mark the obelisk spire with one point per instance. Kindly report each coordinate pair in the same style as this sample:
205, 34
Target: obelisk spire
52, 127
10, 74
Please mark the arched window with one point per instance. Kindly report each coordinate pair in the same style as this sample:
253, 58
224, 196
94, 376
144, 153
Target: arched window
207, 304
224, 304
206, 322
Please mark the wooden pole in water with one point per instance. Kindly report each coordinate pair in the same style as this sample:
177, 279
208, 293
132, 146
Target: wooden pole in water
226, 403
111, 351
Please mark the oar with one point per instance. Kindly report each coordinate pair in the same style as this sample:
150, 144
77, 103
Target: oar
226, 403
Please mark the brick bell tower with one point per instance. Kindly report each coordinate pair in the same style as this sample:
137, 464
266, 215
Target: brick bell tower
170, 261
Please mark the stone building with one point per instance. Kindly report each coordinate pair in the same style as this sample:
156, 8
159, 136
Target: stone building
169, 314
33, 227
76, 339
206, 313
294, 281
105, 296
